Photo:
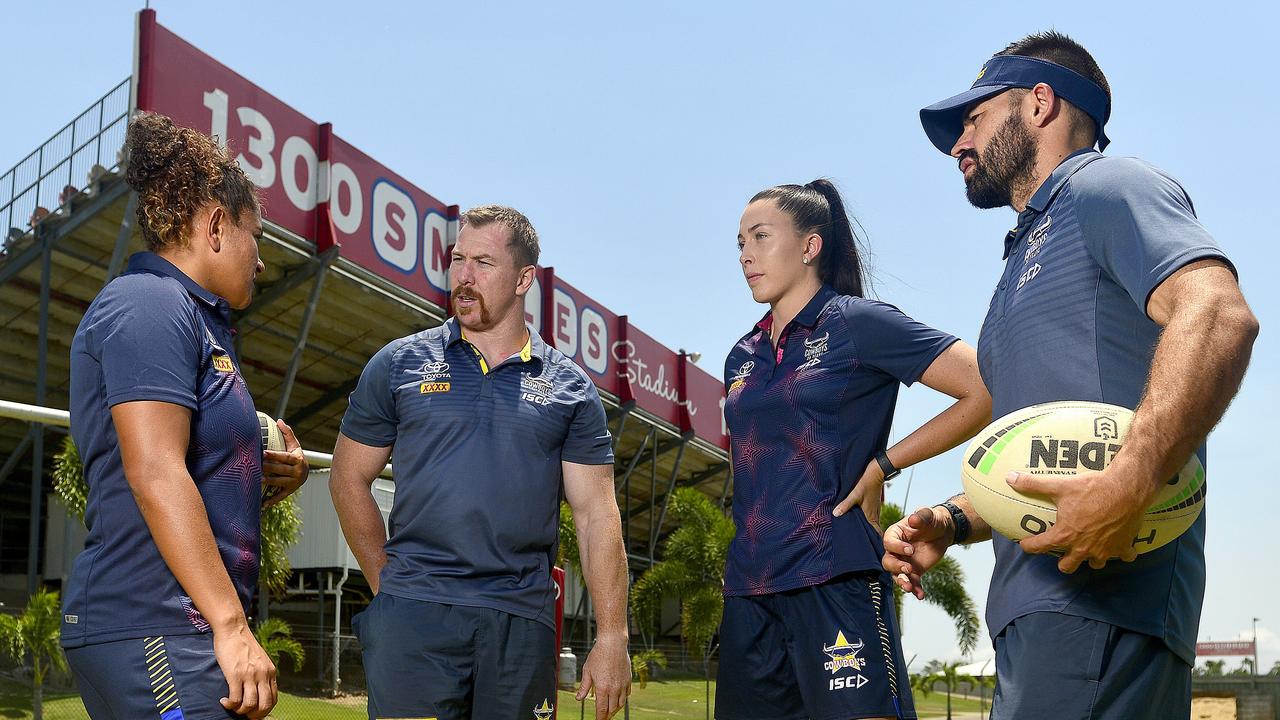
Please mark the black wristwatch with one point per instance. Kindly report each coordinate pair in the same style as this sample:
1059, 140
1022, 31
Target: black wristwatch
959, 521
886, 467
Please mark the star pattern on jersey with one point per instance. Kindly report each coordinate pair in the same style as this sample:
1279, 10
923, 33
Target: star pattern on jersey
810, 454
762, 521
751, 451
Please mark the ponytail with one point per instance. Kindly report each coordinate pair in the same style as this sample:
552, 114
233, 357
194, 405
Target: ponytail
817, 207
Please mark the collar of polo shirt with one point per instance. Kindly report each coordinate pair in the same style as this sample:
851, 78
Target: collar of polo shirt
526, 352
808, 315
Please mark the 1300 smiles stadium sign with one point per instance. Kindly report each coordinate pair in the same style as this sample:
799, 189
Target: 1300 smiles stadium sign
321, 188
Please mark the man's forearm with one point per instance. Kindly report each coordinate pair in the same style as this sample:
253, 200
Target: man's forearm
604, 567
361, 522
1198, 365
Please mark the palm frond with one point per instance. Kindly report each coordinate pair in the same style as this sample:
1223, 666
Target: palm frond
276, 638
944, 587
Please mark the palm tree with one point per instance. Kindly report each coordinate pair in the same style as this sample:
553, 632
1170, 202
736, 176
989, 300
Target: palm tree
692, 569
1215, 668
281, 522
951, 677
36, 631
944, 587
922, 684
276, 638
643, 663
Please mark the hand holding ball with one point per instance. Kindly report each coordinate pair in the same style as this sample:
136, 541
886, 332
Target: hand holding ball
1067, 438
284, 468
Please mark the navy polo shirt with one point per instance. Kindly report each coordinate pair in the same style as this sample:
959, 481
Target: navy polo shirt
1068, 322
154, 334
804, 421
477, 453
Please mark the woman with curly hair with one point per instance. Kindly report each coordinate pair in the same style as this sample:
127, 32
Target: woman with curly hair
155, 611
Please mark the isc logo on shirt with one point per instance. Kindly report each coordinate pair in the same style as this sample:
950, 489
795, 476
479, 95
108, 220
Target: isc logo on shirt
535, 389
433, 387
223, 364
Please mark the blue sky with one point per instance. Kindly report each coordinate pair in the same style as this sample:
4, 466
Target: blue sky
633, 136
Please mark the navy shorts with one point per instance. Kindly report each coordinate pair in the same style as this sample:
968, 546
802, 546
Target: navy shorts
826, 652
175, 677
454, 662
1051, 665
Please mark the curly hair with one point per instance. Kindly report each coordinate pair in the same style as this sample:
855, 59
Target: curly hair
176, 171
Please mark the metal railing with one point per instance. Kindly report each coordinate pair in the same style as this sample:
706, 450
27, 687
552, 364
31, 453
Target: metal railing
45, 182
37, 415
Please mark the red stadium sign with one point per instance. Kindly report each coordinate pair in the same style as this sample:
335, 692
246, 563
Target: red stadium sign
1228, 647
321, 188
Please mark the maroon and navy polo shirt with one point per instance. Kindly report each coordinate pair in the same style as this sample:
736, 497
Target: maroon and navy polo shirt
804, 422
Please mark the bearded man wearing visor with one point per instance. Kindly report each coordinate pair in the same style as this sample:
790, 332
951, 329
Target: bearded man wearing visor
1112, 292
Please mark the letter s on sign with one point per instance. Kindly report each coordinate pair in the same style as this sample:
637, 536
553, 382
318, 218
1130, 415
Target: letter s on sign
394, 226
595, 340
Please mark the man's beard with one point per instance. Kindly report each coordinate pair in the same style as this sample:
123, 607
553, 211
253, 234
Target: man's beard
1005, 167
478, 311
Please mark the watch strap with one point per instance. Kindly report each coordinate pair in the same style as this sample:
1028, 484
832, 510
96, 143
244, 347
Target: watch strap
959, 521
886, 466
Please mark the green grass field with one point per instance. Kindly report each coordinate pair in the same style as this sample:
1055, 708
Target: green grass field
667, 700
15, 702
686, 700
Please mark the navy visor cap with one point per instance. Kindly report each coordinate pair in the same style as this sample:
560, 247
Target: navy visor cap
943, 121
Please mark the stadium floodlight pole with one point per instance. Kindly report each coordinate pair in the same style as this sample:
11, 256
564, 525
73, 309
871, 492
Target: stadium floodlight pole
1255, 647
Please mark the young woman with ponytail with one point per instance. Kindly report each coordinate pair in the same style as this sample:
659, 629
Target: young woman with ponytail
809, 627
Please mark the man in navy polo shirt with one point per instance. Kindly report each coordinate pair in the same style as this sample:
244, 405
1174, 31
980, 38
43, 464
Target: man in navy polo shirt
486, 424
1112, 292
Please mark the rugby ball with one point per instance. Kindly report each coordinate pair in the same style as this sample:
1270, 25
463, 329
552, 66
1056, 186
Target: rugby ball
272, 439
1067, 438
